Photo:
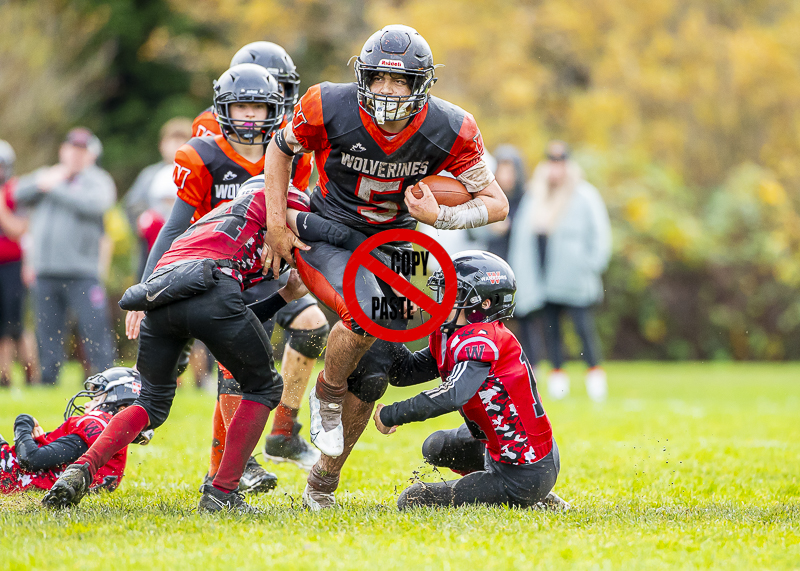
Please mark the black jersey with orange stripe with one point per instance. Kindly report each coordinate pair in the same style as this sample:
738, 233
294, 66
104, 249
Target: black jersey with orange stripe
363, 171
208, 171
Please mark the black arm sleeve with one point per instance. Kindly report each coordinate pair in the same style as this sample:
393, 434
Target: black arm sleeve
313, 228
179, 220
411, 368
462, 384
65, 450
266, 308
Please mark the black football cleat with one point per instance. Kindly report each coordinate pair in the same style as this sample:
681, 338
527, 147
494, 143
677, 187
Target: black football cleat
256, 479
214, 501
294, 449
70, 487
207, 480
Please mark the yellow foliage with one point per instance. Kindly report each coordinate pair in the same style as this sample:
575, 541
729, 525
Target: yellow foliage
118, 229
771, 192
648, 266
637, 212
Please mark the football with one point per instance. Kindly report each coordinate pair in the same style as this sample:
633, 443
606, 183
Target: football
448, 191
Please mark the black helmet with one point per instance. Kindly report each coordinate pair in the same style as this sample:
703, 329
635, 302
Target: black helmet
481, 276
278, 63
248, 83
395, 49
7, 160
120, 385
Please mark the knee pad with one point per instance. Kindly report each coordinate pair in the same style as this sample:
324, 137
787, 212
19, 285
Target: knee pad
309, 342
368, 388
433, 446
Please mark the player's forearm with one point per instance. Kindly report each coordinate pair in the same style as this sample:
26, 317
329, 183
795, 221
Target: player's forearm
496, 202
265, 309
416, 409
277, 172
462, 384
311, 227
411, 368
65, 450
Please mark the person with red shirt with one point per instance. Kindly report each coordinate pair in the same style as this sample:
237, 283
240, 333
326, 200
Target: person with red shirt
38, 458
12, 289
506, 449
372, 141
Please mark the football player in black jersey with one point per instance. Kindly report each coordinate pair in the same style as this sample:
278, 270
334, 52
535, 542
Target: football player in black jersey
372, 140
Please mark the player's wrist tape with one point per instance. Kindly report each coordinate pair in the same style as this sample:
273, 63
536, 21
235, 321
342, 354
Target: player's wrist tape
280, 140
468, 215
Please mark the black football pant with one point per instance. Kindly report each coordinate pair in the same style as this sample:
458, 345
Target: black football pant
490, 482
219, 318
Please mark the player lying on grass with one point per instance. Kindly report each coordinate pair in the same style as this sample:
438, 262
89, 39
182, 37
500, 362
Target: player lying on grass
38, 457
488, 379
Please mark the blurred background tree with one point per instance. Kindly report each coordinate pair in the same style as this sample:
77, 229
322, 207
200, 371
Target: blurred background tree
686, 115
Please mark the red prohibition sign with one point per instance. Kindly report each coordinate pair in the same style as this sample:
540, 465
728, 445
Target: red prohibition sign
438, 311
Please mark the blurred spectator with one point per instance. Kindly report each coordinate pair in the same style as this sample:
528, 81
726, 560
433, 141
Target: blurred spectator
67, 203
510, 175
560, 245
12, 289
149, 201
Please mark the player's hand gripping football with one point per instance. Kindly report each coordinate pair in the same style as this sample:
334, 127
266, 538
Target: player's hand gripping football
280, 240
379, 425
424, 209
294, 288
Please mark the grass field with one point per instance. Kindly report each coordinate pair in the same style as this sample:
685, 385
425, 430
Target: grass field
687, 466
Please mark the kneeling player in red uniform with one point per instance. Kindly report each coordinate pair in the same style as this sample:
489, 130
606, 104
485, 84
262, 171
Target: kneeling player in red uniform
508, 450
38, 458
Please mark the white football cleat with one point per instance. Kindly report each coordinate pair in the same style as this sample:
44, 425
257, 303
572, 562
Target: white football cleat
596, 384
558, 384
327, 432
317, 501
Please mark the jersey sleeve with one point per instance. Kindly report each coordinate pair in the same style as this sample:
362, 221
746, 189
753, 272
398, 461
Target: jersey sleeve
457, 389
468, 149
308, 126
205, 125
467, 162
191, 176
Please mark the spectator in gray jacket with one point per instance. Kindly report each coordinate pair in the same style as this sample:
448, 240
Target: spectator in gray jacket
560, 245
67, 203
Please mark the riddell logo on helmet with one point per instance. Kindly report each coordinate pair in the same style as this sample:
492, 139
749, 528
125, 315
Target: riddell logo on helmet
392, 63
